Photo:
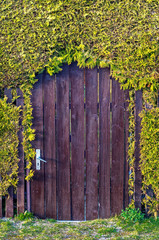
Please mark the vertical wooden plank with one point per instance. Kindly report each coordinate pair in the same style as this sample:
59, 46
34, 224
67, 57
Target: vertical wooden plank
104, 141
28, 192
138, 177
63, 145
77, 141
117, 171
37, 184
126, 165
9, 210
21, 176
91, 145
49, 145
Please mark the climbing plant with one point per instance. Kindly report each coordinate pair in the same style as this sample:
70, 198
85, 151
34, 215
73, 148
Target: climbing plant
28, 131
150, 152
9, 126
39, 34
131, 141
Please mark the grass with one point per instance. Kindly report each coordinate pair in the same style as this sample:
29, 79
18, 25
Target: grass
114, 228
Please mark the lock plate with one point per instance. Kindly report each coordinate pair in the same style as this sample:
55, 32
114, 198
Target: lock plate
37, 159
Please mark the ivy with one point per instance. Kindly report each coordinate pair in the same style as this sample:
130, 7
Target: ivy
9, 126
28, 131
131, 148
150, 154
122, 34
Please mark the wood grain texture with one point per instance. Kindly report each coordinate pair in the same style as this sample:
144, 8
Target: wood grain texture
77, 141
21, 174
37, 184
91, 145
28, 192
138, 177
9, 208
104, 143
49, 145
126, 164
63, 144
117, 170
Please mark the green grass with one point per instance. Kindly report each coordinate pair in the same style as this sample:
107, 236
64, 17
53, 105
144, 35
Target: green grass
114, 228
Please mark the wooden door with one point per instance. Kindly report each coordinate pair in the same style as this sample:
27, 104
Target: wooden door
80, 120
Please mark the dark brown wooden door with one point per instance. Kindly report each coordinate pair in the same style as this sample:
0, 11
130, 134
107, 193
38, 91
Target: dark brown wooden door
80, 120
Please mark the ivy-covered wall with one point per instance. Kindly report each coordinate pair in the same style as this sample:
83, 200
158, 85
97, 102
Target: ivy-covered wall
45, 33
122, 34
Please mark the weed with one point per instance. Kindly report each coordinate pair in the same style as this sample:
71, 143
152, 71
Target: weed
132, 215
51, 220
24, 216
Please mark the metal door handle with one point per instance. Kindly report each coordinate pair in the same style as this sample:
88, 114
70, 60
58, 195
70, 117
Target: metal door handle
38, 159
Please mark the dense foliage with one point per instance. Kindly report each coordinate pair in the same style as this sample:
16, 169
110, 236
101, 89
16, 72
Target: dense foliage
149, 149
37, 34
28, 131
131, 148
150, 157
9, 126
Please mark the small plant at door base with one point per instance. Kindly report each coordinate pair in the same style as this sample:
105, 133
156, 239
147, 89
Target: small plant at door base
24, 216
132, 215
